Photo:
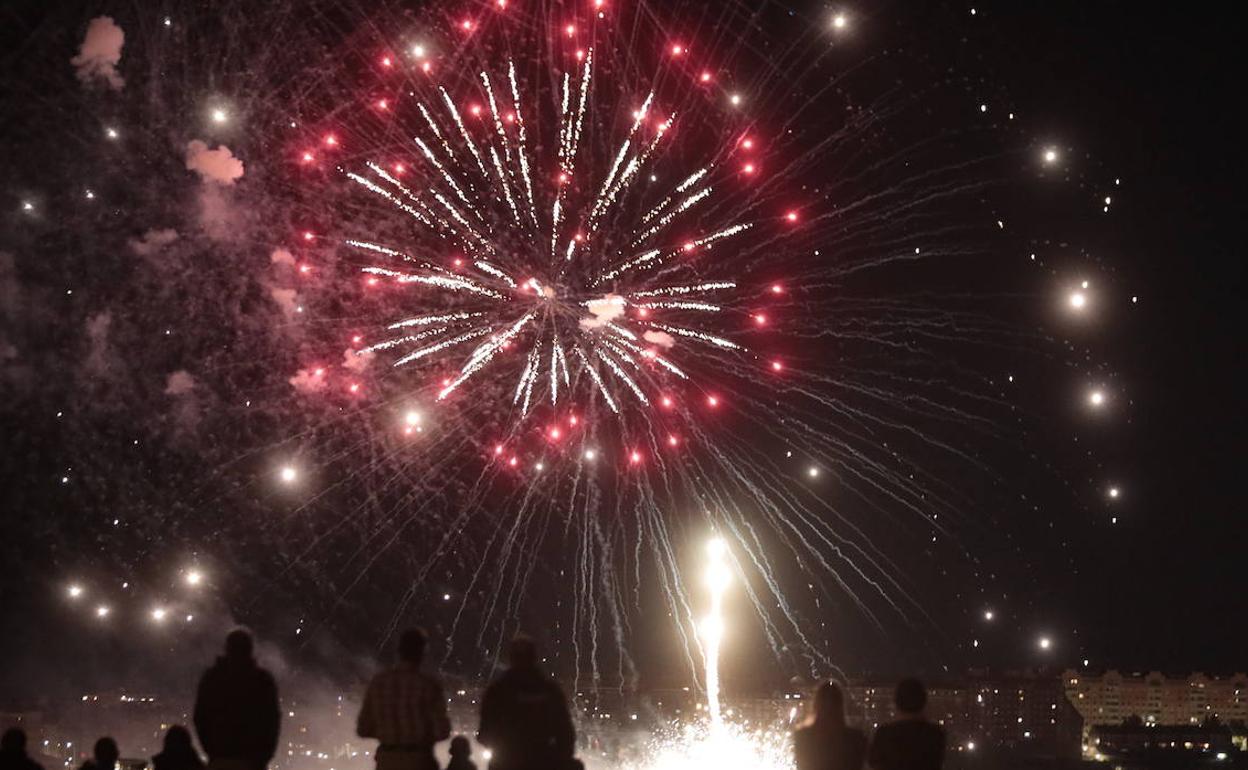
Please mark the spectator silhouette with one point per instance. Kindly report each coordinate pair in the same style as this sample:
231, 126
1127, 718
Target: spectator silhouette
405, 711
524, 716
104, 756
912, 742
13, 754
825, 742
237, 715
178, 753
461, 755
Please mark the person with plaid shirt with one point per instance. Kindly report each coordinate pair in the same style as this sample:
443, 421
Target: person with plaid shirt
405, 711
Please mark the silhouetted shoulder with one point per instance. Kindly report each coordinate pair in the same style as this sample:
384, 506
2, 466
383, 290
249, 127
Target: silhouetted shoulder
822, 749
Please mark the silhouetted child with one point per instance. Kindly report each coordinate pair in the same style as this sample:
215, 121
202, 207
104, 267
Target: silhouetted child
104, 756
461, 754
178, 753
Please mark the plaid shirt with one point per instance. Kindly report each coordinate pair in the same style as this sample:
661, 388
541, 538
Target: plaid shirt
404, 708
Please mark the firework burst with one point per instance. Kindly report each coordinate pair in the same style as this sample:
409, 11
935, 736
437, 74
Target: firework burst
599, 283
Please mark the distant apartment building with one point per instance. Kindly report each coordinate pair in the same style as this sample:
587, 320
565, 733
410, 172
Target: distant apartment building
1111, 697
1023, 713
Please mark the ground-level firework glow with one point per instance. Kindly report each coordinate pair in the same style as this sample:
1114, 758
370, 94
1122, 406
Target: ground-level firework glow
717, 741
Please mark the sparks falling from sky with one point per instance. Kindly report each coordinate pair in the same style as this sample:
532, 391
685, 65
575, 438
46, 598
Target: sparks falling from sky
553, 257
547, 272
558, 287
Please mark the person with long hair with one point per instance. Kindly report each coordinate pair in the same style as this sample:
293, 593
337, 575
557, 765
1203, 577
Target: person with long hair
826, 742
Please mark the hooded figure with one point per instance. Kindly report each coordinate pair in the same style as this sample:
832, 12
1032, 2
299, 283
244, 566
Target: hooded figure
524, 716
237, 715
178, 753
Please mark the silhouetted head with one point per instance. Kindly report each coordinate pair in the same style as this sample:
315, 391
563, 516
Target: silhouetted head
460, 747
239, 644
522, 654
412, 643
178, 740
106, 753
911, 696
14, 741
829, 704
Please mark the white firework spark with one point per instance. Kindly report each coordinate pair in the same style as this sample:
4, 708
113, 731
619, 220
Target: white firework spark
482, 179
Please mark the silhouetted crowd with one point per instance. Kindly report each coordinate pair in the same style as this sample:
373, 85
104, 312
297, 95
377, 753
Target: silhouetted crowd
525, 722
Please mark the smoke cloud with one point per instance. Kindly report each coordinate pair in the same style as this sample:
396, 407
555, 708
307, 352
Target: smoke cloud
356, 361
152, 241
308, 381
662, 339
100, 54
217, 166
286, 299
603, 311
179, 383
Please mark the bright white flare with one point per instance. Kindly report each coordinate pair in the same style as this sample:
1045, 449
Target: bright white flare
510, 303
717, 744
1078, 300
75, 591
717, 579
194, 577
289, 474
1096, 398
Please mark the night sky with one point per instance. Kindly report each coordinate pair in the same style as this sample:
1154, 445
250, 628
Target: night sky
1144, 95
